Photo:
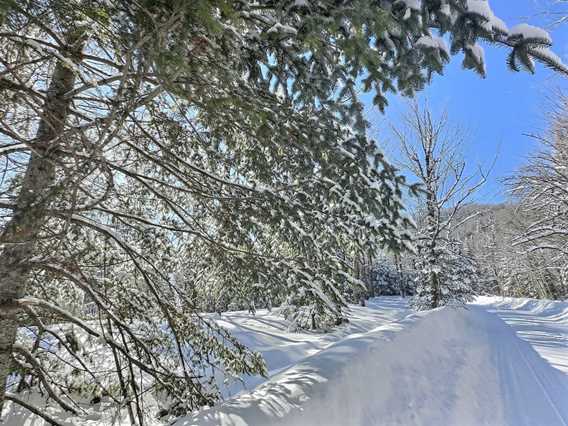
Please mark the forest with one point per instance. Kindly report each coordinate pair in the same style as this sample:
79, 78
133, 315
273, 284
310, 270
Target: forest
193, 205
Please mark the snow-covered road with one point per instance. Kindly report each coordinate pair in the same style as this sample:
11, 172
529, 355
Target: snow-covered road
498, 362
543, 324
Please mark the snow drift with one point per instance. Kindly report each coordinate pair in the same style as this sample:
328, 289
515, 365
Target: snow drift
449, 366
555, 310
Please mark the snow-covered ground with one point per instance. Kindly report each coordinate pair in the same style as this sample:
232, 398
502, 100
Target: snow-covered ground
498, 362
269, 334
542, 323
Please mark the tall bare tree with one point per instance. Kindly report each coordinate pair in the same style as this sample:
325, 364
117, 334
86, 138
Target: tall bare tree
430, 149
541, 186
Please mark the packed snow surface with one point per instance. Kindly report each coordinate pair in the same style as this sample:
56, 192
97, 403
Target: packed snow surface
452, 366
542, 323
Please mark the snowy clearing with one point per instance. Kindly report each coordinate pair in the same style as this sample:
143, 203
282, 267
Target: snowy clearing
473, 366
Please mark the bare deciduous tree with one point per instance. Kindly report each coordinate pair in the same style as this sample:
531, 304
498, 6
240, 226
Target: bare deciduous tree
431, 152
541, 187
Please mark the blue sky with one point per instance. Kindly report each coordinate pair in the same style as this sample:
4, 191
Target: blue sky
495, 111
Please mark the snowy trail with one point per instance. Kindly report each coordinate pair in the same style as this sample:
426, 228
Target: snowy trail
534, 393
449, 366
542, 323
498, 362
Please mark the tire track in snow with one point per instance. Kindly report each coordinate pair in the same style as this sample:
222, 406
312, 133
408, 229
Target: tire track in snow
541, 385
539, 327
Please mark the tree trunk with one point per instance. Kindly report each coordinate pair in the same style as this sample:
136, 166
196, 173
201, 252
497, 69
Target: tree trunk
432, 218
29, 215
435, 290
401, 283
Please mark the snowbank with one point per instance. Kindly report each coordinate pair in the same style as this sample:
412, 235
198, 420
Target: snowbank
281, 347
450, 367
542, 307
265, 332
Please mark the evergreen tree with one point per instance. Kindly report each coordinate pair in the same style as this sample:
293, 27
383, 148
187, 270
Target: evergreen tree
391, 280
456, 277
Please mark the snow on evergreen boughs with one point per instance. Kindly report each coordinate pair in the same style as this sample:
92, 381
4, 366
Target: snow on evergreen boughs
455, 277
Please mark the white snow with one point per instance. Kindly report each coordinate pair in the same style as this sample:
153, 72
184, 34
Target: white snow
280, 28
413, 4
478, 53
500, 361
527, 31
482, 8
434, 42
450, 366
542, 323
282, 347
